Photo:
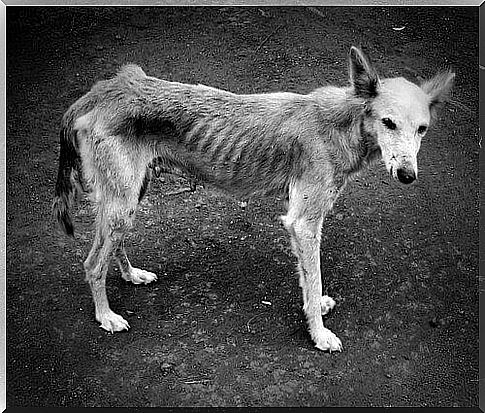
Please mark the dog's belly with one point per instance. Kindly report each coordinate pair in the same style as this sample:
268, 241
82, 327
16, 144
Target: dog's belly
236, 176
262, 173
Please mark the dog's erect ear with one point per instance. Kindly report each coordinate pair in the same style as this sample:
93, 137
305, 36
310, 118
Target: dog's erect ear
362, 75
438, 89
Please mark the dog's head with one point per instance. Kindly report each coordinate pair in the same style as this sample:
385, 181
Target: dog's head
398, 113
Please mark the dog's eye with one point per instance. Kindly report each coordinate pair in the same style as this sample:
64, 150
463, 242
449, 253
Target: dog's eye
389, 124
422, 129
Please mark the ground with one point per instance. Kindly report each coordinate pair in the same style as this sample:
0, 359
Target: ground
223, 325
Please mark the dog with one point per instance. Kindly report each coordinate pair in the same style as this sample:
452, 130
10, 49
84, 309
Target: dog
303, 147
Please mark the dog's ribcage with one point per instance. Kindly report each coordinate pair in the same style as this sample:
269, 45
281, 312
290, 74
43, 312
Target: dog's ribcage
243, 143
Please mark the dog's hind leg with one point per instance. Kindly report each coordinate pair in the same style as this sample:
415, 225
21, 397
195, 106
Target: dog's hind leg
116, 169
129, 273
303, 222
112, 221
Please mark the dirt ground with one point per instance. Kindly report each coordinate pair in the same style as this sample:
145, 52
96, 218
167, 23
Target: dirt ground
223, 325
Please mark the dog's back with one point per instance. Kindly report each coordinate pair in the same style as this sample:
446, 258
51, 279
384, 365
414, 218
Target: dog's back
242, 143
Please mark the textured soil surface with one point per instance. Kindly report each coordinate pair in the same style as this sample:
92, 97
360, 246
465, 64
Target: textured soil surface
223, 325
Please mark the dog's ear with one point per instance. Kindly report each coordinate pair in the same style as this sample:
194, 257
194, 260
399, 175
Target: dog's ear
362, 75
438, 88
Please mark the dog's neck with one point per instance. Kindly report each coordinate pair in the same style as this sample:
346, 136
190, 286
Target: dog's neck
368, 148
361, 148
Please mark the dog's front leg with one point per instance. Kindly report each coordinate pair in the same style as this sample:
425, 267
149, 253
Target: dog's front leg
305, 240
303, 222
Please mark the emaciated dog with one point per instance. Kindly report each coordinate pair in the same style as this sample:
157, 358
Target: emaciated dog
302, 147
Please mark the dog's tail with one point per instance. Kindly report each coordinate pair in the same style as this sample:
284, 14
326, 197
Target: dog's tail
67, 176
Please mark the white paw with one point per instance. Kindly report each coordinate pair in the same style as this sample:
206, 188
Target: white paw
327, 303
138, 276
112, 322
327, 341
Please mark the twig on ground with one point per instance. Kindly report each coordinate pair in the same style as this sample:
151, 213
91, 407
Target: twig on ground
197, 381
267, 38
316, 11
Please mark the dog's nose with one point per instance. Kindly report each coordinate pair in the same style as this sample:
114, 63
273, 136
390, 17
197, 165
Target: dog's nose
406, 176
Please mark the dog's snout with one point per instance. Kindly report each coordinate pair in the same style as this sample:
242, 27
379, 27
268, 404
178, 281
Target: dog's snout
406, 176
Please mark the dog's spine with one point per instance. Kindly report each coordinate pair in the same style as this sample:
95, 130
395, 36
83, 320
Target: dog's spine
69, 162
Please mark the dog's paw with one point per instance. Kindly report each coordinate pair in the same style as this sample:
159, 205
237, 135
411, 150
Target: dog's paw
138, 276
113, 322
327, 341
327, 303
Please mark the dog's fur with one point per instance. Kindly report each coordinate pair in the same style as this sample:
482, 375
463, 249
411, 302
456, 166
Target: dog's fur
305, 147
